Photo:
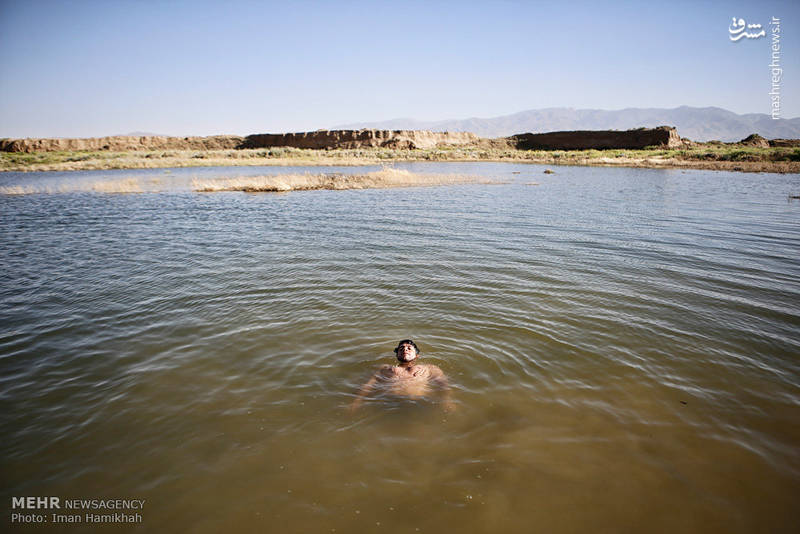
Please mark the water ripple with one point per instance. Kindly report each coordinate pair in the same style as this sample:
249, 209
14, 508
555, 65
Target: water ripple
177, 340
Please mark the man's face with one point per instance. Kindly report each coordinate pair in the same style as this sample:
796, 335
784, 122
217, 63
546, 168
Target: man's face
406, 352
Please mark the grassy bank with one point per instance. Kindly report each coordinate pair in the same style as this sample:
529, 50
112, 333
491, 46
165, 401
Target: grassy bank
701, 156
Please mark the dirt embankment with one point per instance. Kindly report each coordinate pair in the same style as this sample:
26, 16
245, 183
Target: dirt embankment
321, 139
122, 143
784, 142
350, 139
639, 138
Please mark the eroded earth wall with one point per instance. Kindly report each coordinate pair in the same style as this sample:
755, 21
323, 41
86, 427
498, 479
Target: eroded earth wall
331, 139
598, 139
320, 139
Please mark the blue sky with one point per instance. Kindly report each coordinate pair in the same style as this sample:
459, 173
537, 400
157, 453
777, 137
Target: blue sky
86, 68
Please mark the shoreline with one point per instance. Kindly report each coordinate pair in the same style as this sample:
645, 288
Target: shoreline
737, 158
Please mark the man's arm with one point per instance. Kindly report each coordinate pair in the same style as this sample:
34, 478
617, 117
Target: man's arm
365, 390
440, 379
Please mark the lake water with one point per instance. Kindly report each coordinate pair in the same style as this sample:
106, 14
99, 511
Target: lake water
623, 347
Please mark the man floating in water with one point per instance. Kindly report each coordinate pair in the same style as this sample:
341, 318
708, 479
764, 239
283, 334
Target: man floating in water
409, 379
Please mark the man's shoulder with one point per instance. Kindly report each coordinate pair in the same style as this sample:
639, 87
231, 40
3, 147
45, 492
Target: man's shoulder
433, 369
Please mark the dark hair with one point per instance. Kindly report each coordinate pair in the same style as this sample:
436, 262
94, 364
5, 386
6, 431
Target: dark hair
408, 341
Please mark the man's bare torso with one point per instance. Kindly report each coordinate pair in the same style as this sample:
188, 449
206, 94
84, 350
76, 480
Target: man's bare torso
408, 381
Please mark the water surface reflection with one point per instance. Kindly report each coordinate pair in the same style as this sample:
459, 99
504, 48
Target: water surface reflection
621, 344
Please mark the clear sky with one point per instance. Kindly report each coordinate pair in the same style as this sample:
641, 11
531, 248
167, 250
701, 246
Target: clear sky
94, 68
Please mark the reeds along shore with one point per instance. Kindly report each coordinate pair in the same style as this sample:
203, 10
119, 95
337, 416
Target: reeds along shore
700, 156
385, 178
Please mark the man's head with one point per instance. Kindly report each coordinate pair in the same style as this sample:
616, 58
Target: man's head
406, 351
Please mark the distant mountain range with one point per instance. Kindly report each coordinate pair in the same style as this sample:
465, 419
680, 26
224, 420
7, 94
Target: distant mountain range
140, 134
697, 124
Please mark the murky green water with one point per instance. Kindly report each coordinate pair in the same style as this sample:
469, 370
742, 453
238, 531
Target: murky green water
623, 346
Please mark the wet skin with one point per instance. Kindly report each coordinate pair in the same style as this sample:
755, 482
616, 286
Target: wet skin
408, 379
